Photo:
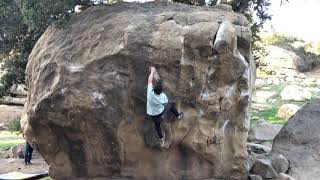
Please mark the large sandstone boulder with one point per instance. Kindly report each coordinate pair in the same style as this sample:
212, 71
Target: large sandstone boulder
258, 148
264, 96
86, 101
18, 90
264, 168
280, 163
283, 176
12, 101
295, 93
264, 131
278, 59
255, 177
299, 142
17, 151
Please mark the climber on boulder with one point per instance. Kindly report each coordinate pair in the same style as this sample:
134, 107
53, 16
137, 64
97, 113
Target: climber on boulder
157, 104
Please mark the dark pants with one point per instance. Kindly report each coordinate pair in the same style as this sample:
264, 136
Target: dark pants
28, 153
170, 107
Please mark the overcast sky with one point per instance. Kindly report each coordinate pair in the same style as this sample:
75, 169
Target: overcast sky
298, 17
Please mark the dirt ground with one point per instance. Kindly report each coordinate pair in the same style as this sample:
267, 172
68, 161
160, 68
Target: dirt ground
7, 165
15, 164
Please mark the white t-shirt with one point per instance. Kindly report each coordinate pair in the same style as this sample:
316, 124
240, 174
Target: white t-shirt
155, 103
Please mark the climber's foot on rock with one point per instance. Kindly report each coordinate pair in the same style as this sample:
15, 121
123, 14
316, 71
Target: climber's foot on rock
162, 141
181, 115
164, 144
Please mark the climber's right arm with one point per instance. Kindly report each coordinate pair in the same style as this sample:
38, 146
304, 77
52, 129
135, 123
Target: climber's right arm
153, 70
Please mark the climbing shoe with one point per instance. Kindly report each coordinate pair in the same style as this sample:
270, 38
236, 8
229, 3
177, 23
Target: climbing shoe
162, 142
181, 115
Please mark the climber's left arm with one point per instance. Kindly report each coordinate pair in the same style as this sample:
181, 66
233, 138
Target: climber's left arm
153, 71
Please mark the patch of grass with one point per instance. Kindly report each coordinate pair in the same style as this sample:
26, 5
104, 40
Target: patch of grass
302, 103
8, 140
277, 88
14, 125
8, 144
314, 99
269, 115
263, 72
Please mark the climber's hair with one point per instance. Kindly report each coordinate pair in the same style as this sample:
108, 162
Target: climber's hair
158, 87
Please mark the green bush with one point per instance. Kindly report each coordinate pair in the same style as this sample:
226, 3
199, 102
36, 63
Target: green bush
14, 125
281, 40
263, 71
306, 50
269, 115
277, 88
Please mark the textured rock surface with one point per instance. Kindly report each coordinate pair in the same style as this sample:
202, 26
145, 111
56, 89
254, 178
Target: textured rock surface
283, 176
264, 131
279, 58
18, 90
16, 151
264, 96
299, 142
280, 163
255, 177
12, 101
258, 148
3, 127
86, 92
295, 93
287, 110
263, 167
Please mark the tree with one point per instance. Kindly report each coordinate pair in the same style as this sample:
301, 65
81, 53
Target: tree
11, 26
22, 22
14, 42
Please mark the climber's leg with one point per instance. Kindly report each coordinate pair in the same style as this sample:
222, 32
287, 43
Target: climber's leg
26, 155
157, 121
172, 108
30, 155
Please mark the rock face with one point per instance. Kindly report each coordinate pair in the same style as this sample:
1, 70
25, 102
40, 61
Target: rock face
299, 142
267, 166
287, 110
255, 177
280, 163
264, 131
16, 151
279, 58
264, 168
283, 176
258, 148
264, 96
295, 93
85, 109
